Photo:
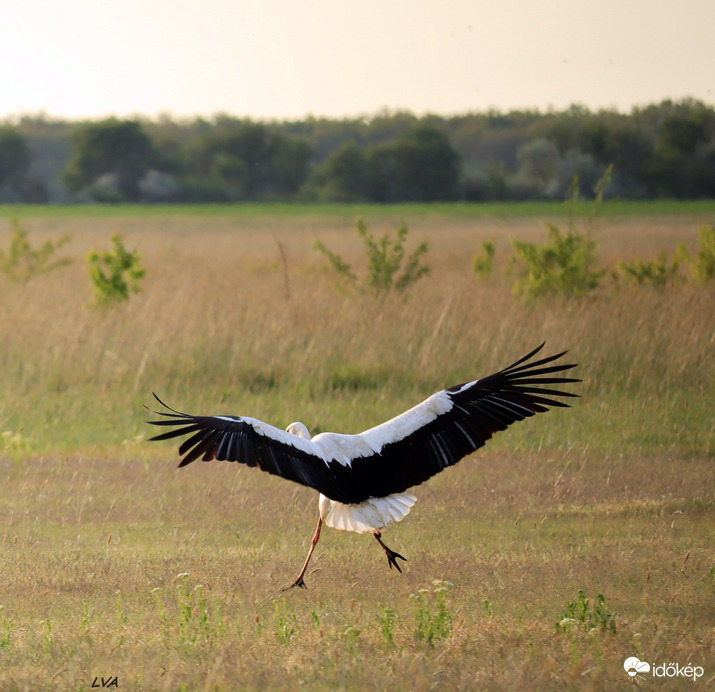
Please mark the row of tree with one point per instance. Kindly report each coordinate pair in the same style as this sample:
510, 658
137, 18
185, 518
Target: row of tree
663, 150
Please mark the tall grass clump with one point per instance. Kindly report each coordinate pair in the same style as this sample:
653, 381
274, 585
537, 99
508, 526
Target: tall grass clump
385, 268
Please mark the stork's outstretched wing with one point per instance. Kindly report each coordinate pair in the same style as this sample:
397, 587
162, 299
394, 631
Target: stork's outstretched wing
248, 441
392, 457
457, 421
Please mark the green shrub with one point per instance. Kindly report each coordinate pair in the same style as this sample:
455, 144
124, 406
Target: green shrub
566, 264
483, 264
385, 261
21, 261
702, 265
656, 272
116, 273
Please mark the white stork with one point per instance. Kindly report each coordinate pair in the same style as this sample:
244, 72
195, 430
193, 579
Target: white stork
362, 479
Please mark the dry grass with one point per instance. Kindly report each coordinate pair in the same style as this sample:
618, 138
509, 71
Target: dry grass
614, 496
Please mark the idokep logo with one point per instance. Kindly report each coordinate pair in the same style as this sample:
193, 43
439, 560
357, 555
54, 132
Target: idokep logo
636, 670
634, 667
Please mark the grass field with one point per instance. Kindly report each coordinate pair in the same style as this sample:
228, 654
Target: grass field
116, 565
348, 211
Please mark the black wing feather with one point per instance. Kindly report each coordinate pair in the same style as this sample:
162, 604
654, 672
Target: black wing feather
231, 438
479, 409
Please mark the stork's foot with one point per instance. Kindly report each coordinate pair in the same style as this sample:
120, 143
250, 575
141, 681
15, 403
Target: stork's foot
298, 582
391, 555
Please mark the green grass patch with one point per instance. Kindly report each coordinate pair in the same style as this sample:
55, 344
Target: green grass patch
350, 211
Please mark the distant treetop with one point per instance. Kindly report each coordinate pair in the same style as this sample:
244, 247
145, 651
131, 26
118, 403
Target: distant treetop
664, 150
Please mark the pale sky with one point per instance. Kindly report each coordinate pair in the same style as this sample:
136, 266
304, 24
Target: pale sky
281, 59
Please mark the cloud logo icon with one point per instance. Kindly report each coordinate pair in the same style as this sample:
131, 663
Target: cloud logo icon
634, 667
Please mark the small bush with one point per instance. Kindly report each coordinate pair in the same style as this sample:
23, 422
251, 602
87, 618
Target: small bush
566, 265
483, 264
385, 261
22, 261
116, 273
702, 265
656, 272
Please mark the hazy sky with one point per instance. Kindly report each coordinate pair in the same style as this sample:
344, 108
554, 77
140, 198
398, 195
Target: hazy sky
286, 59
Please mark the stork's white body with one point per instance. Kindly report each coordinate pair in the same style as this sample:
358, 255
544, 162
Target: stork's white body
371, 515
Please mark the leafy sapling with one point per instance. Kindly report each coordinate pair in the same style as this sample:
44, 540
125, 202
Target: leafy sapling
386, 270
115, 273
22, 261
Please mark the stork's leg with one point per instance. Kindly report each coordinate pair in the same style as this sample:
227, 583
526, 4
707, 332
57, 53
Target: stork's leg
391, 554
316, 537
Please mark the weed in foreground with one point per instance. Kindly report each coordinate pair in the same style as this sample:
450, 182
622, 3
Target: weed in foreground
387, 623
6, 628
189, 617
583, 614
433, 618
285, 621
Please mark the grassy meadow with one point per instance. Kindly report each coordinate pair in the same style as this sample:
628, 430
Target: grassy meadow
118, 567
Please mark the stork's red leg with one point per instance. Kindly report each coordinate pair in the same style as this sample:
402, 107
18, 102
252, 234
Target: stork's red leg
391, 554
316, 537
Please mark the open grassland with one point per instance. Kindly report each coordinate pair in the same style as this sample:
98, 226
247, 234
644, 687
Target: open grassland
116, 564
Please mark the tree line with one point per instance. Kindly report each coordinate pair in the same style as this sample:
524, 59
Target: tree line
664, 150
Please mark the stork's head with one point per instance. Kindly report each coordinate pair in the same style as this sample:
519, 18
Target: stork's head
298, 429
